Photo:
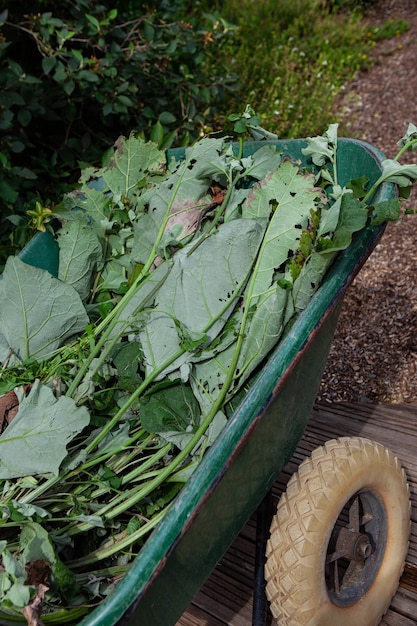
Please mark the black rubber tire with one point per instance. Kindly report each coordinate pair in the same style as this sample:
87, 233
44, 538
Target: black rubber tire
307, 521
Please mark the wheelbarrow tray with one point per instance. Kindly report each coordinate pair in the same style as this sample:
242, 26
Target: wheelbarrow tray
239, 469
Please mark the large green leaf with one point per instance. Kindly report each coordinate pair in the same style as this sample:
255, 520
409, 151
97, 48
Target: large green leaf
38, 312
264, 327
291, 196
200, 292
40, 431
286, 197
133, 160
80, 253
180, 200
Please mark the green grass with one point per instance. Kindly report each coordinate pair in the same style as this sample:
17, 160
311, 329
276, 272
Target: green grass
293, 57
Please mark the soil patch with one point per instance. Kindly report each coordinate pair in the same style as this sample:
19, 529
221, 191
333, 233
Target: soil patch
374, 354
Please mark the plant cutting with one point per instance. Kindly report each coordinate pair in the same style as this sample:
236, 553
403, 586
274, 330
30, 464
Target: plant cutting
124, 368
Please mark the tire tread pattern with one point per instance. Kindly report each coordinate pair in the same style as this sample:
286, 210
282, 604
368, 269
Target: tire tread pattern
296, 529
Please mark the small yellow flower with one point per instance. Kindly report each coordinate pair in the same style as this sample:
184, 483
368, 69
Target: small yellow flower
40, 216
208, 37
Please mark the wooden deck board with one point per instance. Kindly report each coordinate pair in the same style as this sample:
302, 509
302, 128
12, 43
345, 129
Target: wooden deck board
226, 597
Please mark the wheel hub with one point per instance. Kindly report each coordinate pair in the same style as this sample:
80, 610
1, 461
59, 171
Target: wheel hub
353, 545
356, 548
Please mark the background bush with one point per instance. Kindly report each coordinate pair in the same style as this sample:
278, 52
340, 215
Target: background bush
76, 75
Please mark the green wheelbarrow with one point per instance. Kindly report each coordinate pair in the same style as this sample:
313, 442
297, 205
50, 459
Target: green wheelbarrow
339, 537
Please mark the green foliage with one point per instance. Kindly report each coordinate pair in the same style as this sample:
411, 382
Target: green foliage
337, 5
75, 76
294, 57
390, 28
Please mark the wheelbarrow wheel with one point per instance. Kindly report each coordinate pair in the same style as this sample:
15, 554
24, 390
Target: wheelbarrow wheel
339, 537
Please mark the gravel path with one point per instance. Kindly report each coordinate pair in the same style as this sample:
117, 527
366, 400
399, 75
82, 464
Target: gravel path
374, 353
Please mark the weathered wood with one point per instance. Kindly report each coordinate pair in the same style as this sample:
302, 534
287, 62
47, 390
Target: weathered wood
226, 597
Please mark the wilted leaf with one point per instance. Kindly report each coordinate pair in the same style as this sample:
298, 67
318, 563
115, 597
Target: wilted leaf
352, 218
40, 431
133, 160
263, 161
386, 211
80, 253
308, 280
89, 205
190, 299
410, 135
394, 172
38, 312
126, 358
318, 149
171, 409
33, 611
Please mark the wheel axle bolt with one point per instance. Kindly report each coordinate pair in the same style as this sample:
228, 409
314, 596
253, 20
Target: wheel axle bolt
363, 548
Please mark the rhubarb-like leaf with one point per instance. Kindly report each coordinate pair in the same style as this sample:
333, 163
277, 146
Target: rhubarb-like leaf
41, 430
80, 254
38, 312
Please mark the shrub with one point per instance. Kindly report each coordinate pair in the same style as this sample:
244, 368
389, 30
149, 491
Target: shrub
74, 76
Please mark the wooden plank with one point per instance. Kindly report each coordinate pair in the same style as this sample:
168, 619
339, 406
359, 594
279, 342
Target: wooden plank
404, 605
390, 619
226, 597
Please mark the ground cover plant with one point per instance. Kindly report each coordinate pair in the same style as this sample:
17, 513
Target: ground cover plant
294, 58
119, 373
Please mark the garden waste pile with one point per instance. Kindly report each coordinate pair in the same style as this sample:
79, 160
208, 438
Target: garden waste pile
178, 273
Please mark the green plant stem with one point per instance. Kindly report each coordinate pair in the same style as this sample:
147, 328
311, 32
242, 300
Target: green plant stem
108, 455
240, 153
67, 474
117, 544
382, 178
111, 511
135, 474
105, 328
407, 146
334, 161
